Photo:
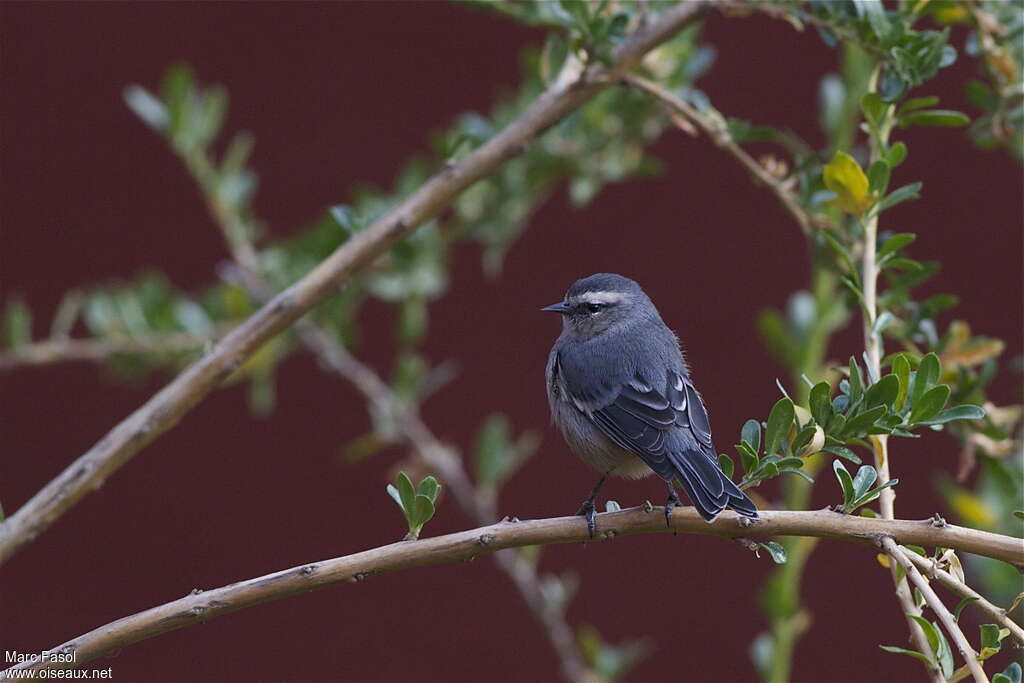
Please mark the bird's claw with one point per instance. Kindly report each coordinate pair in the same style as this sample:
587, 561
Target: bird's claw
670, 505
589, 513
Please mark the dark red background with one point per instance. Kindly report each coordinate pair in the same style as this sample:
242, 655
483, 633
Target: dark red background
342, 93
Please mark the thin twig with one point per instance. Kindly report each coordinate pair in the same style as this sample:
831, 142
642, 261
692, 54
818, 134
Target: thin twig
101, 349
944, 615
993, 612
796, 17
173, 402
719, 134
445, 462
448, 465
466, 545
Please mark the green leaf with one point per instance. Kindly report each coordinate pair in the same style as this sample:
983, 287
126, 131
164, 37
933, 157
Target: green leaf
930, 404
891, 84
937, 642
962, 604
726, 464
917, 103
901, 368
844, 254
866, 476
748, 458
928, 371
896, 154
871, 495
878, 177
934, 117
751, 435
895, 243
423, 512
779, 422
147, 107
1019, 514
843, 452
903, 651
844, 176
962, 412
856, 380
774, 549
873, 107
407, 493
397, 497
911, 191
845, 481
855, 426
800, 473
429, 488
17, 324
819, 401
1011, 674
883, 392
874, 11
990, 639
980, 95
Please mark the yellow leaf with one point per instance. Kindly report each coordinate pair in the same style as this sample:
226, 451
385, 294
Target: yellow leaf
972, 509
844, 176
883, 560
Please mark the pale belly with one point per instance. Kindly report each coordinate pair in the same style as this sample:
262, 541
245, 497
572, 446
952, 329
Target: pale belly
596, 449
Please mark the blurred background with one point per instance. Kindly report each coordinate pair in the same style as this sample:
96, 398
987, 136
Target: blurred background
339, 95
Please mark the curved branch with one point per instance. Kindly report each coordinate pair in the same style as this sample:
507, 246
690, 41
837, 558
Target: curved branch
717, 131
979, 602
945, 617
173, 402
101, 349
466, 545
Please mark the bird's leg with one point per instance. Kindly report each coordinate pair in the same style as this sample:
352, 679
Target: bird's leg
587, 510
671, 503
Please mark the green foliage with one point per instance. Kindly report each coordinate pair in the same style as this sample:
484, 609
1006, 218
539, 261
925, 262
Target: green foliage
896, 404
857, 490
417, 504
497, 455
611, 662
1011, 674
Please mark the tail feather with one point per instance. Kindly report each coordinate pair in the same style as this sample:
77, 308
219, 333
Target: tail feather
708, 487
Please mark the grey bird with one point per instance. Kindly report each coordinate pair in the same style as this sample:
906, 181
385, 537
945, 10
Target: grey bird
621, 394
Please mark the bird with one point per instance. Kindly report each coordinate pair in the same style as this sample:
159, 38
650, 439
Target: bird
620, 391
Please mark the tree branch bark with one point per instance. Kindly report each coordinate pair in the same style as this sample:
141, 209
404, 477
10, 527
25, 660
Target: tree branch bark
100, 349
945, 618
174, 401
200, 606
719, 134
954, 584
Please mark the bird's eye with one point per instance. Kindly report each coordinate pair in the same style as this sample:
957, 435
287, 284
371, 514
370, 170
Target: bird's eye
595, 308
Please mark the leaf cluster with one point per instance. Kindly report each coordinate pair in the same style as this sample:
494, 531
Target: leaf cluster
417, 504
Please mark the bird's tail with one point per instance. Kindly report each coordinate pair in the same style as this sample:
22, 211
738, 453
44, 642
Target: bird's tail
708, 487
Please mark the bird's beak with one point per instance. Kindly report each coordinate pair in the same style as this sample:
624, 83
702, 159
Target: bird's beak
560, 307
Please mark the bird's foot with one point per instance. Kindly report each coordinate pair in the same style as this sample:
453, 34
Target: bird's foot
670, 505
589, 513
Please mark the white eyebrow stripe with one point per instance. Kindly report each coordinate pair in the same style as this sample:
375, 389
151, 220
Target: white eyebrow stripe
592, 297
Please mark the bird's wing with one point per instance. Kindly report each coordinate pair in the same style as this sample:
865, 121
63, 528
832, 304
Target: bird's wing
642, 419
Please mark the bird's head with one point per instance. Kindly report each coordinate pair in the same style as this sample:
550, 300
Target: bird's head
601, 302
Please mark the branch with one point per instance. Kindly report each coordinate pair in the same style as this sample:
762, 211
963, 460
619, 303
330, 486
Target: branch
954, 584
944, 615
796, 18
100, 349
200, 606
719, 134
170, 405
